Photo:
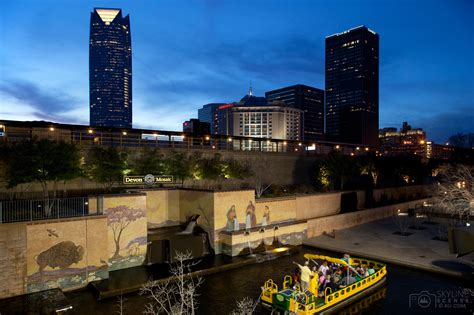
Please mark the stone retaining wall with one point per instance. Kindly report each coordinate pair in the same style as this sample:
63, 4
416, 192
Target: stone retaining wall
318, 226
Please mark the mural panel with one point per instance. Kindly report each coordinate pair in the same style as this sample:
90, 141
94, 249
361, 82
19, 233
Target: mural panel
60, 254
127, 230
162, 207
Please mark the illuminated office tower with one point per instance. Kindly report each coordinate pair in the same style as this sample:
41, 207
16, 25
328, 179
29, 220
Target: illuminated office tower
110, 69
352, 86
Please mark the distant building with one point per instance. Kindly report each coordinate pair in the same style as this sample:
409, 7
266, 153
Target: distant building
407, 141
310, 100
352, 86
256, 117
110, 69
208, 114
197, 127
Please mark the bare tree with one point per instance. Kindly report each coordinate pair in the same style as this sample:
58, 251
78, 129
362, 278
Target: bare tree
120, 301
244, 307
176, 294
455, 191
262, 177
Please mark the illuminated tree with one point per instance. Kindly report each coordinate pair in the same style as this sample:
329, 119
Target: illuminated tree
455, 190
119, 218
107, 166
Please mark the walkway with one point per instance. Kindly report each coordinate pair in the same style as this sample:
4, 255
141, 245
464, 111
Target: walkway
376, 240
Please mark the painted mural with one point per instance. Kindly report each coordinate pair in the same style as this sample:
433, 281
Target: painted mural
127, 231
232, 221
59, 254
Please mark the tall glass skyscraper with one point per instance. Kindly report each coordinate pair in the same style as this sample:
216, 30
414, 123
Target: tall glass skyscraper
352, 86
110, 69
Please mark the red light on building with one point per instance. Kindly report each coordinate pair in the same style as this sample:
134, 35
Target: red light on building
225, 106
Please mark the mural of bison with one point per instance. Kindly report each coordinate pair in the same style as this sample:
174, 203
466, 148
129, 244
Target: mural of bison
61, 255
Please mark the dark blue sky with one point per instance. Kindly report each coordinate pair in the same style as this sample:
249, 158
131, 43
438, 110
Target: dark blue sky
189, 53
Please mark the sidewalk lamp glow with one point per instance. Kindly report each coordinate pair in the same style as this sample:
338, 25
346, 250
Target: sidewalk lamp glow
51, 128
124, 133
366, 149
284, 142
207, 138
229, 139
89, 131
300, 144
357, 148
337, 146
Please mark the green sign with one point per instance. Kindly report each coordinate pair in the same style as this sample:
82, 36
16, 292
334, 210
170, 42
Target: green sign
148, 179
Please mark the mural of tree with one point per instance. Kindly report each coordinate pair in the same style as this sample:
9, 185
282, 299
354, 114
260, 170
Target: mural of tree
118, 219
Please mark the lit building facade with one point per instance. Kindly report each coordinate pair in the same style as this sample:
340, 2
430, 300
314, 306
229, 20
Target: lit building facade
352, 87
406, 141
110, 69
310, 100
257, 118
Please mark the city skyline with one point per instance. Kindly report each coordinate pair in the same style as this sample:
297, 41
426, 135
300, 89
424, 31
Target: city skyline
423, 79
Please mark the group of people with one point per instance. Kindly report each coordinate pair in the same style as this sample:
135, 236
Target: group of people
329, 275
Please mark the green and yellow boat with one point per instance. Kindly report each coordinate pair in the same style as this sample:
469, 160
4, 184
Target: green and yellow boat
290, 300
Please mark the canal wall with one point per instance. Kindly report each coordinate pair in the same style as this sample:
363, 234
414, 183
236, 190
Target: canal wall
42, 255
70, 253
318, 226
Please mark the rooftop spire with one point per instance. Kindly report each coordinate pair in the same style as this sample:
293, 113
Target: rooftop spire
250, 90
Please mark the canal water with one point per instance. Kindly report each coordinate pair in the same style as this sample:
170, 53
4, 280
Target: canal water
404, 290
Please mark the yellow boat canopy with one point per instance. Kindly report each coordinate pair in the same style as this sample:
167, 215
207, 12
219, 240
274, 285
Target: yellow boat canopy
327, 258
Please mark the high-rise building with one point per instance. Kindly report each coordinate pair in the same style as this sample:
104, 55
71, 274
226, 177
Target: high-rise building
310, 100
110, 69
208, 113
352, 86
256, 117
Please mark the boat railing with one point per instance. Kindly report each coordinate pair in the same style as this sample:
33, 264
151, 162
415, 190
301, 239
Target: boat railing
287, 282
360, 285
269, 288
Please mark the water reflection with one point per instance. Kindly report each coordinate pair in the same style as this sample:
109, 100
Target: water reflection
364, 304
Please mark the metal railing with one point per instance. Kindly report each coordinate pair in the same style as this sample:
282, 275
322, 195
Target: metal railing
43, 209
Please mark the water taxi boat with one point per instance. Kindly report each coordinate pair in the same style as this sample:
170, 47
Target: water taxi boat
291, 300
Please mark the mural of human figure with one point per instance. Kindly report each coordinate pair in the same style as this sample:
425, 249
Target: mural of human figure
250, 218
232, 222
266, 216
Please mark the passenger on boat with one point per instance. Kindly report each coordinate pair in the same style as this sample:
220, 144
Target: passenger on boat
348, 280
346, 258
324, 268
296, 275
305, 275
321, 283
330, 283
